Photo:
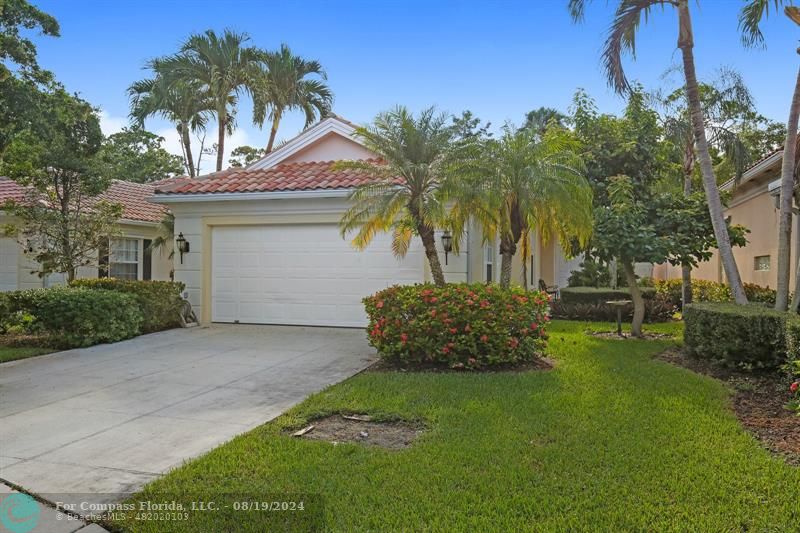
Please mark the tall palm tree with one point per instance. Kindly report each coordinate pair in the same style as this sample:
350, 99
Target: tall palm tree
524, 181
405, 195
622, 39
184, 104
749, 22
285, 85
727, 103
223, 66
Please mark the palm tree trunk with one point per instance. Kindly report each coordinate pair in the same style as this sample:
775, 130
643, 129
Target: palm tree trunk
223, 119
187, 149
507, 250
785, 215
273, 132
686, 43
525, 254
686, 270
636, 296
429, 244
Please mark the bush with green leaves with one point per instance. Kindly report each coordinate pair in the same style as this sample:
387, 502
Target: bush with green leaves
655, 310
458, 325
71, 317
601, 295
748, 336
712, 291
159, 301
793, 365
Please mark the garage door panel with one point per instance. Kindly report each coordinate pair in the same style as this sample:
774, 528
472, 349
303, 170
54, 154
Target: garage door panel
301, 274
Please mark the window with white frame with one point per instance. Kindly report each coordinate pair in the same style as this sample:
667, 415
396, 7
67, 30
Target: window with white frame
761, 263
123, 261
488, 254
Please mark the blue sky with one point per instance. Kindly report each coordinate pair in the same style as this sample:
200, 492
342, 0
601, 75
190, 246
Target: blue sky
498, 59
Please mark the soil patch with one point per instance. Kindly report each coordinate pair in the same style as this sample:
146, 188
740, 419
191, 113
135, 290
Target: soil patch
613, 335
540, 363
759, 403
361, 429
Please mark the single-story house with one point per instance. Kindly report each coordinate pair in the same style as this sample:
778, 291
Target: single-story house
264, 242
753, 205
130, 257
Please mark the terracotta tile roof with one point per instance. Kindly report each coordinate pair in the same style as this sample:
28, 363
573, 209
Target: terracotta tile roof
133, 197
301, 176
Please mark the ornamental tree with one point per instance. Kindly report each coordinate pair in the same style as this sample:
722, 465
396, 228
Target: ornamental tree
654, 228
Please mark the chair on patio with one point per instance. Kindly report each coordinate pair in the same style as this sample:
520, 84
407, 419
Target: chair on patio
552, 290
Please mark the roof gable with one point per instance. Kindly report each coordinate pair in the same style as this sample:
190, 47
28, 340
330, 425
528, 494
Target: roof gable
332, 125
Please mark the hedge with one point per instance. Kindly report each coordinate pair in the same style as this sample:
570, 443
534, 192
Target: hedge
712, 291
458, 325
594, 295
71, 317
751, 336
159, 301
655, 310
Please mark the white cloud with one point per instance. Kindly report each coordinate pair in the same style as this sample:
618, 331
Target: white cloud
111, 125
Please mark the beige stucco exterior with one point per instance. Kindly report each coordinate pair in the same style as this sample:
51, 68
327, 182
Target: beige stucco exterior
752, 207
331, 147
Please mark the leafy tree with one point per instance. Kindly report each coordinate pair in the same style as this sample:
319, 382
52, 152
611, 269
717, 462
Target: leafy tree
61, 223
14, 48
221, 64
524, 181
622, 39
750, 21
137, 155
468, 126
405, 196
184, 103
289, 82
635, 227
538, 120
246, 155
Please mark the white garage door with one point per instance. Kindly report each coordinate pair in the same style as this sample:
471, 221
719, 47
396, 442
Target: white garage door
9, 252
303, 274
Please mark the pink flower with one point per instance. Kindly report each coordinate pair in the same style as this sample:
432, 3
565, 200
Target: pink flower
453, 330
404, 338
794, 386
379, 305
484, 338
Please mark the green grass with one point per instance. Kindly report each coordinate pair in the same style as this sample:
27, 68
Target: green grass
610, 440
12, 354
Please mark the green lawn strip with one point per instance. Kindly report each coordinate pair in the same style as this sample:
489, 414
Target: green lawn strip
12, 354
609, 440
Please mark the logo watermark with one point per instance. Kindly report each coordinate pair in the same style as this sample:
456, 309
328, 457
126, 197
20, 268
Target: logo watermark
19, 513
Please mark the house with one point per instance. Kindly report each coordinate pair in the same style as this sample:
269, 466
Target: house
264, 243
753, 205
130, 258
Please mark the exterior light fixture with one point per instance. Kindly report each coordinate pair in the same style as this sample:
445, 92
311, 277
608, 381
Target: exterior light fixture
183, 245
447, 244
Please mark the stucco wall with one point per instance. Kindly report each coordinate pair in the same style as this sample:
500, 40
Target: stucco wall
330, 148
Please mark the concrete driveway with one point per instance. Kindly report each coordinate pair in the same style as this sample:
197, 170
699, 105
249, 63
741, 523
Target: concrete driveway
110, 418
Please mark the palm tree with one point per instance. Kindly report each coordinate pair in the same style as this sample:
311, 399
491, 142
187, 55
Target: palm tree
523, 181
727, 103
284, 86
622, 39
539, 119
405, 195
182, 103
223, 66
749, 22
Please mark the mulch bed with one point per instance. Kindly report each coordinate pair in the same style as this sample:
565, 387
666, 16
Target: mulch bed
540, 363
759, 403
613, 335
362, 430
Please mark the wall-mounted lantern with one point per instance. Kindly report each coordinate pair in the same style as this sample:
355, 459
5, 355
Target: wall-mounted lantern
447, 244
183, 245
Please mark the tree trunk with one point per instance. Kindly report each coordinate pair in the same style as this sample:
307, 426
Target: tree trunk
273, 132
787, 190
187, 149
507, 250
795, 305
429, 243
686, 43
686, 270
223, 120
636, 296
525, 254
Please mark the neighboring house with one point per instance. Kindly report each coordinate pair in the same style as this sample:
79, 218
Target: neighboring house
130, 257
752, 205
265, 245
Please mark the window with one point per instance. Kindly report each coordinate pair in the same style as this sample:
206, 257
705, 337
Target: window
488, 255
124, 260
761, 262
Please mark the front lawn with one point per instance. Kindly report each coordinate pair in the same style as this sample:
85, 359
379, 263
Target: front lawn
611, 439
8, 353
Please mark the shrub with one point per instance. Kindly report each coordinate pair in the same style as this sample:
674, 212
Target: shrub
655, 310
712, 291
459, 325
750, 336
793, 364
73, 317
159, 301
594, 295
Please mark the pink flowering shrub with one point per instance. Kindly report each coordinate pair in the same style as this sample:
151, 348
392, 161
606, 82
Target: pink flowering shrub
459, 325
